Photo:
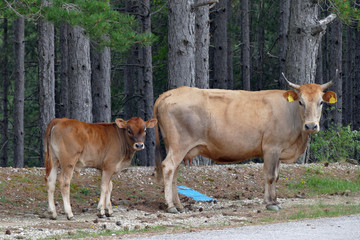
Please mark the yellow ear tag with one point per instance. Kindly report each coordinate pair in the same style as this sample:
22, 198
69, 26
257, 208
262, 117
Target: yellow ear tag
332, 100
290, 98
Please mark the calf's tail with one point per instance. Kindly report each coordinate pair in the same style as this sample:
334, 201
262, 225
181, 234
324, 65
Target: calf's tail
47, 148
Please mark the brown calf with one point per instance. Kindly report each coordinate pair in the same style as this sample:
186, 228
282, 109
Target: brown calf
71, 145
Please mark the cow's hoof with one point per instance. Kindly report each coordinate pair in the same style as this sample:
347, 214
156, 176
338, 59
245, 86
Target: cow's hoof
101, 215
71, 218
272, 207
279, 206
108, 214
172, 210
53, 218
181, 210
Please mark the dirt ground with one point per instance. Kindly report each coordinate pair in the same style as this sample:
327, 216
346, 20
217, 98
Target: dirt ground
139, 202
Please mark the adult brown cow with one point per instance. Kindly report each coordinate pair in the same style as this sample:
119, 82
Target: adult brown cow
71, 145
233, 126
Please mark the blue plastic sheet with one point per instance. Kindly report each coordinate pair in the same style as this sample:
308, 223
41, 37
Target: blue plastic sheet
194, 194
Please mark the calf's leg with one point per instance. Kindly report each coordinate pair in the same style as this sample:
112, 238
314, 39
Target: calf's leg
108, 206
50, 185
104, 191
64, 180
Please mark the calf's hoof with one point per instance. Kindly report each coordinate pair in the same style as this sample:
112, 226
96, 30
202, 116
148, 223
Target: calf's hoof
71, 218
273, 207
172, 210
101, 215
108, 214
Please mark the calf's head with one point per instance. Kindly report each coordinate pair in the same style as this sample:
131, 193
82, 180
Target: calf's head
310, 98
135, 130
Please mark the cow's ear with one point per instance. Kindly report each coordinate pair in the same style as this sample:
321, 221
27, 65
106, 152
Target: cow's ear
330, 97
291, 96
151, 123
121, 123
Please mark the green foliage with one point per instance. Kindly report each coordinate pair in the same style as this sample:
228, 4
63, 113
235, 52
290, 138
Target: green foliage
347, 10
315, 185
335, 144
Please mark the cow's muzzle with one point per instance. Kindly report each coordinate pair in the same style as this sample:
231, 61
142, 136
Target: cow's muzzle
311, 127
138, 146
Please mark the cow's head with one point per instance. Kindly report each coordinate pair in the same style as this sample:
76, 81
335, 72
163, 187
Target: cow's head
135, 130
310, 98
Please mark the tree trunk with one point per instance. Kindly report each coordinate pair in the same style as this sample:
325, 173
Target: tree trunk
260, 39
5, 138
283, 38
304, 37
347, 76
100, 83
202, 43
79, 75
220, 46
335, 57
146, 87
230, 74
245, 47
19, 76
356, 120
181, 43
129, 84
46, 52
64, 106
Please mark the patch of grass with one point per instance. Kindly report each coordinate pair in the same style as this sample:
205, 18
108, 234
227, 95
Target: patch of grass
322, 210
314, 185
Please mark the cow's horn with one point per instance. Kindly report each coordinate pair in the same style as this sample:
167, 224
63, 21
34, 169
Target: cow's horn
293, 85
329, 84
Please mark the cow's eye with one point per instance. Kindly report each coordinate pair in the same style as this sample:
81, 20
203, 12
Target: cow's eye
129, 131
301, 103
321, 103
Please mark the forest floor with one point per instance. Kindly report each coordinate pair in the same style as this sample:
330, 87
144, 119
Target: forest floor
139, 202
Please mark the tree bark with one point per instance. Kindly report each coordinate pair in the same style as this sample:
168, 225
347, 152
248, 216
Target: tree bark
101, 83
220, 46
304, 37
283, 38
202, 43
335, 57
260, 39
147, 92
79, 75
347, 76
64, 106
356, 120
19, 76
230, 74
181, 44
46, 56
245, 47
5, 137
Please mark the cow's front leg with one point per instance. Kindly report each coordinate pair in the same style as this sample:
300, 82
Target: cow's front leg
108, 207
104, 189
271, 171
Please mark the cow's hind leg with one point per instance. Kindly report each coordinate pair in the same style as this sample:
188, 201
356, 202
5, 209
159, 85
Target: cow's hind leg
169, 167
64, 180
50, 185
176, 198
271, 171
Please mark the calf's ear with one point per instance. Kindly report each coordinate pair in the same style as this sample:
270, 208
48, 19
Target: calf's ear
151, 123
121, 123
291, 96
330, 97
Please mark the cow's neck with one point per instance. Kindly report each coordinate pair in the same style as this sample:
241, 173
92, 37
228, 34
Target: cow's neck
126, 149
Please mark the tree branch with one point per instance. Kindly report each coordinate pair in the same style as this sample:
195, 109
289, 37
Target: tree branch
322, 24
208, 2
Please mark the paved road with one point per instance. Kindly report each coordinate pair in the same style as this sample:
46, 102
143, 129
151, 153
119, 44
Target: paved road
340, 228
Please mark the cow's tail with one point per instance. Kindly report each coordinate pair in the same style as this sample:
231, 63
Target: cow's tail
158, 156
47, 148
